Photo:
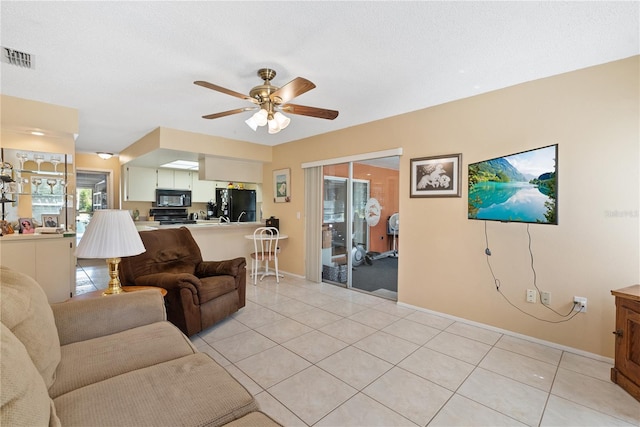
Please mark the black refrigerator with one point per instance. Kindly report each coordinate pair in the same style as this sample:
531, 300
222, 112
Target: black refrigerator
232, 203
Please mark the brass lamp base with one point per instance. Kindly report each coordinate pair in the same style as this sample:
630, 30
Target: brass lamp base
114, 283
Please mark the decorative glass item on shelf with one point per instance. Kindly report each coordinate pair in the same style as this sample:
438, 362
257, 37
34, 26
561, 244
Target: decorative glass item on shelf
39, 186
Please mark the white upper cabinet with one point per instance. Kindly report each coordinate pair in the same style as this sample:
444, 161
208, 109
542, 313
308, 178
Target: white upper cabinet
165, 178
174, 179
139, 184
202, 191
182, 180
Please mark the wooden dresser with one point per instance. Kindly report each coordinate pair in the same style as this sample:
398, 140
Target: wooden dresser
626, 370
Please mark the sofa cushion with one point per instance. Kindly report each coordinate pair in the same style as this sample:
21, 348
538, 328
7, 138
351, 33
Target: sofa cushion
23, 393
26, 312
94, 360
254, 419
191, 390
214, 286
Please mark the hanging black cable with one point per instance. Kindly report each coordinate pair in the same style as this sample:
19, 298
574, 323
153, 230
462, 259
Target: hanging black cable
497, 283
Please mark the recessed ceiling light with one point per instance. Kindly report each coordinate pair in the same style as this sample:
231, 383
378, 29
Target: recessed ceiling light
182, 164
36, 133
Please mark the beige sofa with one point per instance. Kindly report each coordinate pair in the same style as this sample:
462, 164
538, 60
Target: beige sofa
108, 361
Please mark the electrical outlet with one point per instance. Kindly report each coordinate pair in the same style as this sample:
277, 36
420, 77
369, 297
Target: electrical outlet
531, 295
581, 304
545, 298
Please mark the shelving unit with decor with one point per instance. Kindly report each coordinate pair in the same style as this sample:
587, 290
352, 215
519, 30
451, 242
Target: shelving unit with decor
6, 177
37, 185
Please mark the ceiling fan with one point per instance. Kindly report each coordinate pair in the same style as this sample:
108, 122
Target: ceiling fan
271, 101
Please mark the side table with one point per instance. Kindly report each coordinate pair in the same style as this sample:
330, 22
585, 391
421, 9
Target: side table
98, 293
626, 370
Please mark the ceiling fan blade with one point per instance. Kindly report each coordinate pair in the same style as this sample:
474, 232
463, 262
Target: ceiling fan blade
228, 113
321, 113
295, 87
225, 90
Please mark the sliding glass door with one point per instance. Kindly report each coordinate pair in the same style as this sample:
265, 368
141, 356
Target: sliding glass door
335, 228
359, 249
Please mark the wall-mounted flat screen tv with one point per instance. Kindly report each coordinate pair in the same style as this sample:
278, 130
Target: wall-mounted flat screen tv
521, 187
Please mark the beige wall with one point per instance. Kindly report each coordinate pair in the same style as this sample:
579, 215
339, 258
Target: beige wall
593, 115
19, 117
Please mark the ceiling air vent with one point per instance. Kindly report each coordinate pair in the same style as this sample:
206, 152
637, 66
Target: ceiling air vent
15, 57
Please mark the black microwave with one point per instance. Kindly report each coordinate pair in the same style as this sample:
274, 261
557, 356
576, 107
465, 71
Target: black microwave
166, 198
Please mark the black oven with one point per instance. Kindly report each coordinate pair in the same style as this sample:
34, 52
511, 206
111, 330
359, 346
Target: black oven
166, 198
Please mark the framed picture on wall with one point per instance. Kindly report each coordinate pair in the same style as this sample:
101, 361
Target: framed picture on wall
282, 185
436, 176
50, 220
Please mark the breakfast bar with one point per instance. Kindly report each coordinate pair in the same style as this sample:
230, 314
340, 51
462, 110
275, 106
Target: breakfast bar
216, 240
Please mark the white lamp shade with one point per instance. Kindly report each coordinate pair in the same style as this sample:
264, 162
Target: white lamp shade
111, 233
283, 121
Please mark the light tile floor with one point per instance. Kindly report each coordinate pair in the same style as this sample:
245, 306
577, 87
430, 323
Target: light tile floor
315, 354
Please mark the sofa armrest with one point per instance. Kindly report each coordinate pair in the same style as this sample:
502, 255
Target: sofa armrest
81, 320
229, 267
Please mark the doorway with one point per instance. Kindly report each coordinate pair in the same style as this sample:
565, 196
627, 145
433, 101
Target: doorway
360, 227
93, 192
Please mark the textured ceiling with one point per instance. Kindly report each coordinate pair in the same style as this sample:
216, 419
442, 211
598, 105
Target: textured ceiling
129, 67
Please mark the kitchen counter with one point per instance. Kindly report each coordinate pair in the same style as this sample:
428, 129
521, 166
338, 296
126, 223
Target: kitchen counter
200, 223
217, 241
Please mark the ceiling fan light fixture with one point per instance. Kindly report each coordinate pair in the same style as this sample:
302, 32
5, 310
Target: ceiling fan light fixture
282, 120
251, 123
261, 117
274, 127
270, 98
258, 119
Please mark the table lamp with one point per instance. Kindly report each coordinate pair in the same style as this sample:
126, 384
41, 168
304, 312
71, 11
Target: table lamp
110, 234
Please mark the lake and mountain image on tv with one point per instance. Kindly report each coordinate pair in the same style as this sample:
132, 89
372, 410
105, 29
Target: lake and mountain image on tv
521, 187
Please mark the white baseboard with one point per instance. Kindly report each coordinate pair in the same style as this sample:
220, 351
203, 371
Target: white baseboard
513, 334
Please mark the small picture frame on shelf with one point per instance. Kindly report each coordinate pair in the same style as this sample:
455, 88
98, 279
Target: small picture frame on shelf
50, 220
25, 226
5, 228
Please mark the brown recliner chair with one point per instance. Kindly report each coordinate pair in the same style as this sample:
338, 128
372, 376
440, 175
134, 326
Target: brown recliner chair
199, 293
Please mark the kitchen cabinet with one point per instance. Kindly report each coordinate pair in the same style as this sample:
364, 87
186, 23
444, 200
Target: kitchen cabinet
202, 191
626, 370
49, 259
182, 180
139, 184
174, 179
164, 178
